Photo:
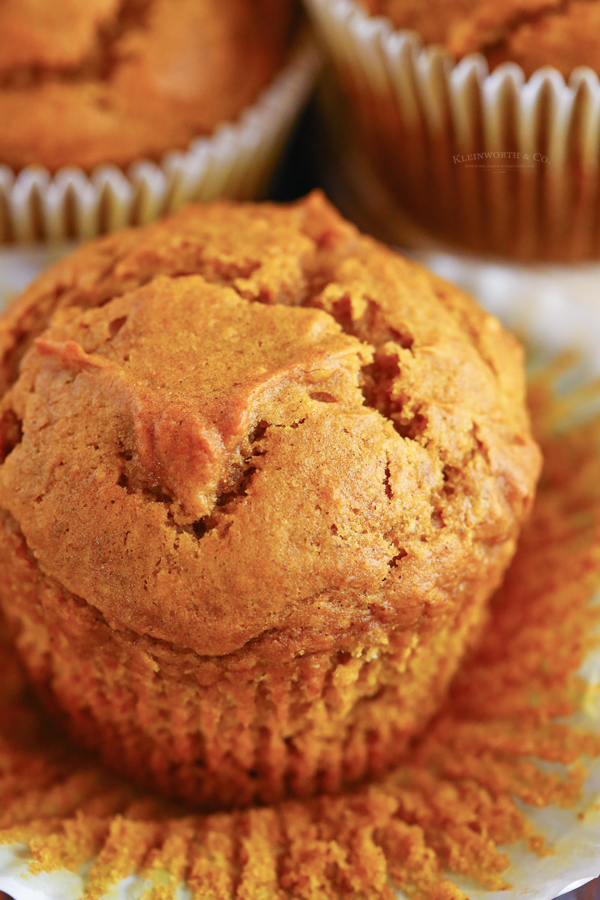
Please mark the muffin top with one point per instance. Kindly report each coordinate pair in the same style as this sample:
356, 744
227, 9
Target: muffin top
84, 82
532, 33
250, 420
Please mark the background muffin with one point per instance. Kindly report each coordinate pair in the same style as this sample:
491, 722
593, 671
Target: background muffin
435, 148
112, 82
260, 477
131, 84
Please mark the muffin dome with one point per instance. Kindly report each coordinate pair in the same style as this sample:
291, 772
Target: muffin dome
101, 81
532, 33
251, 439
210, 456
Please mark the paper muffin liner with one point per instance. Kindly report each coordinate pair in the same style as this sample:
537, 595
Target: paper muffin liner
236, 162
493, 162
573, 835
258, 726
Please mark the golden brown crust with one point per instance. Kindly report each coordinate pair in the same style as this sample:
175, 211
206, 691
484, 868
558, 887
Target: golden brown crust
112, 82
532, 33
348, 454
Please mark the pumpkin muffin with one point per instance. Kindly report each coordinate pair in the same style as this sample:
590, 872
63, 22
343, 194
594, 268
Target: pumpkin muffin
438, 145
87, 82
532, 33
260, 476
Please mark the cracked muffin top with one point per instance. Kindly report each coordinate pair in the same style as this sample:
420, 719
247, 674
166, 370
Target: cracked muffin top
532, 33
85, 82
250, 420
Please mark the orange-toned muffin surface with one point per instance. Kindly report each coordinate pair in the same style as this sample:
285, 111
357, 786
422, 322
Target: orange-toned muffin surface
255, 461
111, 81
532, 33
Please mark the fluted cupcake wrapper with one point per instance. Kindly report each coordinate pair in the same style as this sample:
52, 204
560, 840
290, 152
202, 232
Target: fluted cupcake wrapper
64, 885
236, 161
492, 162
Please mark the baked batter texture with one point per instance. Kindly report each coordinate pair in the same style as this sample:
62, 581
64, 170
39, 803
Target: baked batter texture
260, 477
532, 33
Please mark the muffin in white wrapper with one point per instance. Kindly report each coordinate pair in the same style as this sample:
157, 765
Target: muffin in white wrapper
552, 306
437, 151
236, 162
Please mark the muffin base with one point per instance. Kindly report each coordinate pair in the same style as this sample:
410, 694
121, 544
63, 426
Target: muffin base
258, 725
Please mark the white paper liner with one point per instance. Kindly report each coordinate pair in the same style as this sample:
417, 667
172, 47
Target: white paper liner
416, 118
236, 161
558, 306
